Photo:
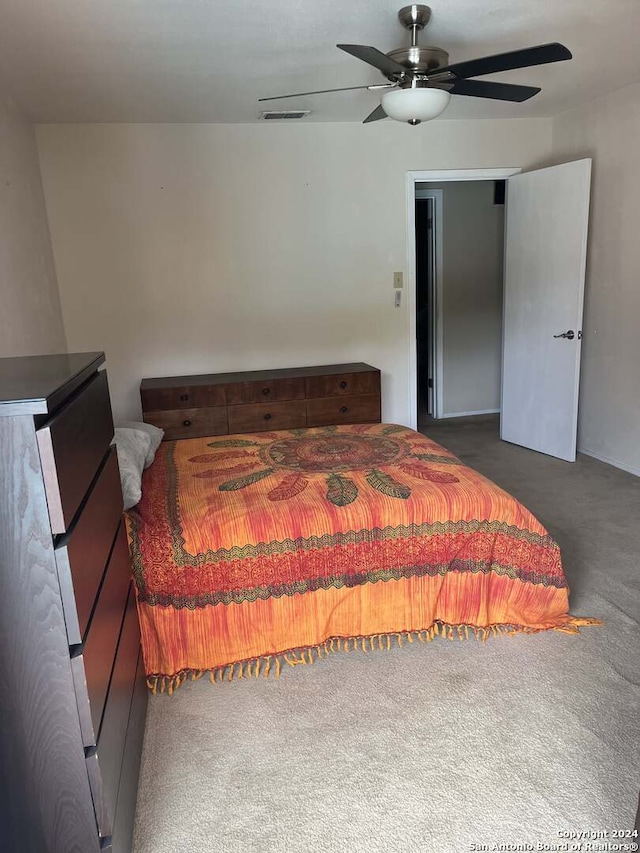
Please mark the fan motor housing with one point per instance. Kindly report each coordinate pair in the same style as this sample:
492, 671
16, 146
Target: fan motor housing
420, 58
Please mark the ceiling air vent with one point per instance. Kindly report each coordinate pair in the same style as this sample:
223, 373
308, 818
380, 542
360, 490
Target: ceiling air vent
273, 114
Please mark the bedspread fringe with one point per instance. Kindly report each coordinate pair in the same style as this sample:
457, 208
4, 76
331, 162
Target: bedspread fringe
271, 665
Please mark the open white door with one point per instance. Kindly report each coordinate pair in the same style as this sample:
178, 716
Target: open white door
545, 253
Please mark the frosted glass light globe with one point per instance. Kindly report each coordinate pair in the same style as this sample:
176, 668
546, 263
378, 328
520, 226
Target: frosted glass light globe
414, 105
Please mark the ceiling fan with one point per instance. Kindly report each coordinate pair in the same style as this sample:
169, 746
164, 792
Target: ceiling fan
421, 81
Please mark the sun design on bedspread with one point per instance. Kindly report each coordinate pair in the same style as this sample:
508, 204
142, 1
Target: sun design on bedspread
299, 456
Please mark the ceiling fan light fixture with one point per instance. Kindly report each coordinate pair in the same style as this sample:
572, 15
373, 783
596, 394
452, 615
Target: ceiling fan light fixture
421, 80
415, 104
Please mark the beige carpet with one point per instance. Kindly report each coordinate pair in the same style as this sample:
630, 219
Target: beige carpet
430, 748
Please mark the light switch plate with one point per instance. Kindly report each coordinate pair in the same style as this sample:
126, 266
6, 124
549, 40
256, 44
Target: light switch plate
397, 279
398, 299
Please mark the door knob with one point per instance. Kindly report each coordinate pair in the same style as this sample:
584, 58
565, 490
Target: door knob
570, 335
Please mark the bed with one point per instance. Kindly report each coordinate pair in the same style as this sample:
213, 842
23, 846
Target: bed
254, 551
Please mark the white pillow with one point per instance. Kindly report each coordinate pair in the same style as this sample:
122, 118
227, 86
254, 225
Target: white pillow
155, 434
133, 447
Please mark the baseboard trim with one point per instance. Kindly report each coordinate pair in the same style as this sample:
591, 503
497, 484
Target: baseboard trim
601, 458
470, 414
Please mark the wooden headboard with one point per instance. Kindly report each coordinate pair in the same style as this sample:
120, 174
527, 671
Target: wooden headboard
254, 401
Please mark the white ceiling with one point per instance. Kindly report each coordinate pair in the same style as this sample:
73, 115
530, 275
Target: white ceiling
210, 60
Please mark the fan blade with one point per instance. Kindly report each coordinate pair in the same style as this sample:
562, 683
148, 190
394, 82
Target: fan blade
540, 55
497, 91
374, 57
324, 91
376, 115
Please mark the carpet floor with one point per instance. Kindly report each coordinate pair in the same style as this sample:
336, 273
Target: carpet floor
450, 746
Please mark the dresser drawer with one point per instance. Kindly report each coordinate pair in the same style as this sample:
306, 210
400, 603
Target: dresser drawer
72, 445
126, 804
343, 410
189, 423
113, 731
267, 416
104, 810
81, 557
265, 392
120, 825
183, 397
343, 383
92, 668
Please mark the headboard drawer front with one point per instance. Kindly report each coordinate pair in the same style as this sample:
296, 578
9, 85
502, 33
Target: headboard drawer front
271, 390
267, 416
344, 410
190, 423
183, 397
255, 401
343, 384
72, 445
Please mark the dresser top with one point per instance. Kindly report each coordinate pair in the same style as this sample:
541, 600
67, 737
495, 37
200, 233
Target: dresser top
38, 384
255, 375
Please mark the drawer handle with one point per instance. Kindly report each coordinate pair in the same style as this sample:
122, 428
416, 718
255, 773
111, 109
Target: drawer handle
184, 396
343, 384
267, 417
343, 409
266, 391
186, 423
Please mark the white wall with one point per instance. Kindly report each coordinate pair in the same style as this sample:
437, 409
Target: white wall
472, 248
205, 248
30, 315
608, 129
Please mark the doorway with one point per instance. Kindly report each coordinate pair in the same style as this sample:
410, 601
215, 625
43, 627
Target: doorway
454, 360
459, 298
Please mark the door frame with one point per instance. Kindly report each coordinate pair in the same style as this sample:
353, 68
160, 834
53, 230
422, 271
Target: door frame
413, 178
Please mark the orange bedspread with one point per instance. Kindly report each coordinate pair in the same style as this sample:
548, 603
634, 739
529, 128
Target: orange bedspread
247, 547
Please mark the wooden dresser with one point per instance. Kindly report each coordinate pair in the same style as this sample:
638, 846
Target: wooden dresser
254, 401
72, 689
